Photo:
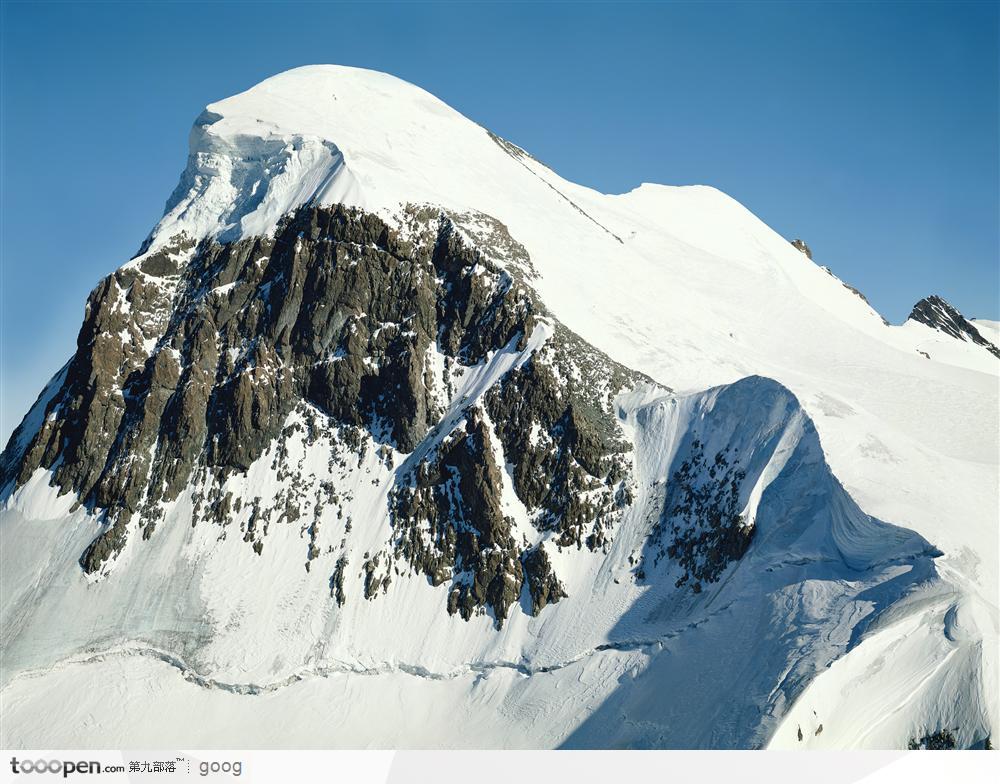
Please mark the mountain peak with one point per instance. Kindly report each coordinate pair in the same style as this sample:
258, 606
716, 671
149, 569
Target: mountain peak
328, 100
939, 314
380, 369
318, 135
322, 135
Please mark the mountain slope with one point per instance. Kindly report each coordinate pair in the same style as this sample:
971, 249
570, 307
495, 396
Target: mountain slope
384, 398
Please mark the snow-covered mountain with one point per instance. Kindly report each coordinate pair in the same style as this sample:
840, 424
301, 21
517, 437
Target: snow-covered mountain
937, 314
392, 435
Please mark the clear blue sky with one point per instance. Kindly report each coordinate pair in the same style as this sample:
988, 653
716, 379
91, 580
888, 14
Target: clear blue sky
870, 130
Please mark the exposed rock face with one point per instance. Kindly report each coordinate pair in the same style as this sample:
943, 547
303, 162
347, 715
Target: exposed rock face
195, 361
942, 740
567, 466
542, 583
344, 335
195, 357
800, 245
452, 526
701, 528
337, 582
935, 312
570, 464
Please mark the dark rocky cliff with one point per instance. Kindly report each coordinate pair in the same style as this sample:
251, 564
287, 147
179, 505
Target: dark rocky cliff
938, 314
191, 359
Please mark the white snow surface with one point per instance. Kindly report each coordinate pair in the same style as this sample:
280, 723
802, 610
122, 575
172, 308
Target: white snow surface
867, 603
988, 329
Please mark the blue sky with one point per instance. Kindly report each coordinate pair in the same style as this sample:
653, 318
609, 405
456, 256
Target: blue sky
870, 130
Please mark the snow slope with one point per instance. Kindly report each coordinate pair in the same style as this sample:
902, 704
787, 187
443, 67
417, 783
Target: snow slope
988, 329
821, 570
872, 475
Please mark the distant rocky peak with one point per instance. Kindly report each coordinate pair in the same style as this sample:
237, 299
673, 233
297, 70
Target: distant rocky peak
800, 245
938, 314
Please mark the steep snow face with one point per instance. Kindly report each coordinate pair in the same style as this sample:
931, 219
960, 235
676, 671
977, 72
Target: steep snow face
241, 185
682, 284
324, 135
331, 134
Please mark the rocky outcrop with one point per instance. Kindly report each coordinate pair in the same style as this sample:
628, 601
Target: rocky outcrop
193, 358
942, 740
938, 314
452, 527
800, 245
570, 465
551, 425
701, 528
543, 586
340, 332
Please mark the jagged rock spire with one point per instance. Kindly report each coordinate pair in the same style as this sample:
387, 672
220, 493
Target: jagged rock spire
938, 314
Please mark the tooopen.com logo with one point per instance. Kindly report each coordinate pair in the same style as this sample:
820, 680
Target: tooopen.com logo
61, 766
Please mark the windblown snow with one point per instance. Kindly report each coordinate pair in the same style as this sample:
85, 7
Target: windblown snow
863, 614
